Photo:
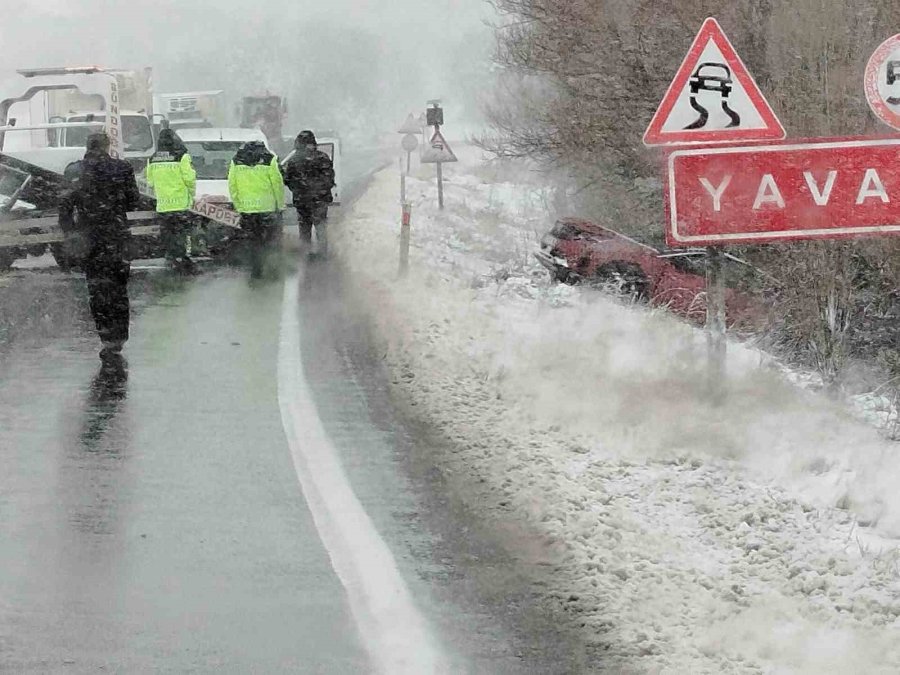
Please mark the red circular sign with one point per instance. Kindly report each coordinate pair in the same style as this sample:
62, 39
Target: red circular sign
883, 82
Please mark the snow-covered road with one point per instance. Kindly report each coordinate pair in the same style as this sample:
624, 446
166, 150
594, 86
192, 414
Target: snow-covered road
686, 535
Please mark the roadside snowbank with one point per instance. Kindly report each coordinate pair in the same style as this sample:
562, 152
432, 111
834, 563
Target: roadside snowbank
688, 535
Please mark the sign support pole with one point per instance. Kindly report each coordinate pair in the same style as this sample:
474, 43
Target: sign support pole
406, 212
715, 320
440, 182
404, 238
402, 184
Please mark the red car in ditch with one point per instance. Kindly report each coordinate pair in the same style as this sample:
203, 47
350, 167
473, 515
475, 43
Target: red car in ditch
577, 251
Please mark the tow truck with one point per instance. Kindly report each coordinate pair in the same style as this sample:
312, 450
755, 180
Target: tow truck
60, 106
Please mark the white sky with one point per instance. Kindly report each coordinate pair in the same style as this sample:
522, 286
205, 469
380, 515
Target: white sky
374, 55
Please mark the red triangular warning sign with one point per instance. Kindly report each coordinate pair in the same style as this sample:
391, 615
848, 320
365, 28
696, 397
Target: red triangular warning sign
437, 151
713, 99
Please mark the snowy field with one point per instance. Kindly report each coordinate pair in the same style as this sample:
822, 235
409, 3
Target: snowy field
753, 534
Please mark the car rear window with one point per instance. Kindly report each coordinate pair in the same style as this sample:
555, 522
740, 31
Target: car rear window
566, 231
212, 158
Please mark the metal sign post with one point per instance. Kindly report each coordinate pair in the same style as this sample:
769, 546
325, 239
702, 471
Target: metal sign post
406, 212
435, 118
715, 320
404, 237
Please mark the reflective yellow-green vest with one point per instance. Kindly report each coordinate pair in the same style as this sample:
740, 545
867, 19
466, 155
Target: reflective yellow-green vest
256, 188
173, 181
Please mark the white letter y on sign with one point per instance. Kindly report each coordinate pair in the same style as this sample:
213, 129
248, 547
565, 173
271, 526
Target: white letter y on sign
716, 192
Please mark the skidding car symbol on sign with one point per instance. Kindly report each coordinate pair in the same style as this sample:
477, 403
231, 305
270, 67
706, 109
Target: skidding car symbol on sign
703, 80
712, 99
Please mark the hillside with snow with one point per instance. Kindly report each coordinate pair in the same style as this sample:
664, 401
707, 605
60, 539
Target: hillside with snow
754, 534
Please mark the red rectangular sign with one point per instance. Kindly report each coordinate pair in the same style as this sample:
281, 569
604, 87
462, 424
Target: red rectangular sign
829, 189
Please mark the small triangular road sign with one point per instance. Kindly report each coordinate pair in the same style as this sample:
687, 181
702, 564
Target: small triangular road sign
713, 98
410, 126
437, 151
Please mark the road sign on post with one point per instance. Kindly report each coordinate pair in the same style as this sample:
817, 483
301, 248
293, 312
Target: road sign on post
713, 98
882, 82
437, 151
822, 189
410, 126
434, 116
409, 143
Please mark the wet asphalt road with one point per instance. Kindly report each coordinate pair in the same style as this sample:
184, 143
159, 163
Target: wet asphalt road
151, 519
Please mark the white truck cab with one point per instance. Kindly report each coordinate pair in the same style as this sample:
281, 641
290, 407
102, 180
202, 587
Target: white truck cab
47, 124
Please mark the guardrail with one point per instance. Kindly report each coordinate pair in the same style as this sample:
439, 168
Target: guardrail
11, 231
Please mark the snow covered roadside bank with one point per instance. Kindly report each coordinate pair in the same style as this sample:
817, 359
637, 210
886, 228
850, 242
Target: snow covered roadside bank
687, 537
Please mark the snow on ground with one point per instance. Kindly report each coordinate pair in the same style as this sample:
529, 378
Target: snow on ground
749, 533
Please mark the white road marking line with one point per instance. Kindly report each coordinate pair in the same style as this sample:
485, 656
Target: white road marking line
395, 634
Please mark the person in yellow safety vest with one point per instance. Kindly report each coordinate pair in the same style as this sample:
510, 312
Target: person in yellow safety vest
257, 192
171, 176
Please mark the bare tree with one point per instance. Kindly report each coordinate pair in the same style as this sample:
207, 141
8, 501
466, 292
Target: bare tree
583, 78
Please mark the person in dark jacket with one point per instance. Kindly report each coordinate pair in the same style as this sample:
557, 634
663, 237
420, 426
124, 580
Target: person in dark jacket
309, 174
104, 191
72, 250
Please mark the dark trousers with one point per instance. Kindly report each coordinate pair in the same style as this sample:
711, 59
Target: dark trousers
262, 228
310, 214
107, 282
173, 232
263, 232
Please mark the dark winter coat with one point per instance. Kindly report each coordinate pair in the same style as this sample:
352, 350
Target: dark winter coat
103, 193
71, 220
309, 175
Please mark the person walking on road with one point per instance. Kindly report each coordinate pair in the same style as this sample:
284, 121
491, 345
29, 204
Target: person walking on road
103, 193
256, 187
309, 174
171, 176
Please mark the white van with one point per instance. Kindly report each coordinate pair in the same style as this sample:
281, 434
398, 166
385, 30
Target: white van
212, 151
